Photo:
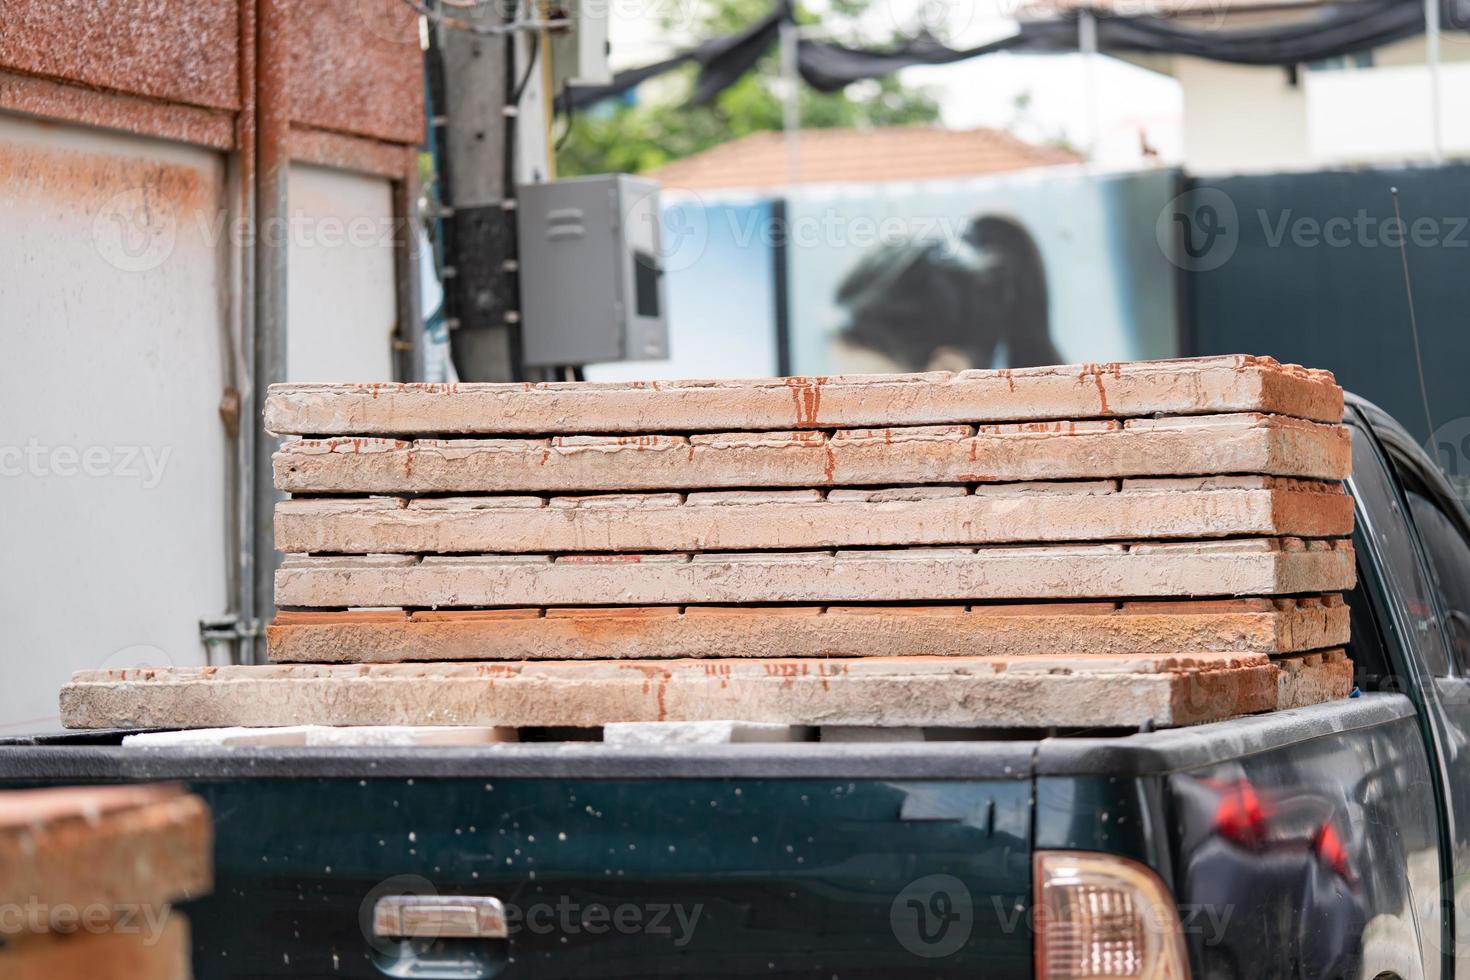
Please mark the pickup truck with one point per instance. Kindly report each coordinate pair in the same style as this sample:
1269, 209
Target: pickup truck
1330, 841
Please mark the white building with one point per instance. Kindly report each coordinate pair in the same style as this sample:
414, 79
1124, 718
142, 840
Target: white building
1369, 107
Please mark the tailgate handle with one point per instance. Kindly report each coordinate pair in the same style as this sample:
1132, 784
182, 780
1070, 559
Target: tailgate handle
439, 917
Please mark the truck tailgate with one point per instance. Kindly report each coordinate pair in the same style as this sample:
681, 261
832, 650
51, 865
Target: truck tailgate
797, 860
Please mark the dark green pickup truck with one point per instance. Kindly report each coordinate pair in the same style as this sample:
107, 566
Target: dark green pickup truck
1329, 841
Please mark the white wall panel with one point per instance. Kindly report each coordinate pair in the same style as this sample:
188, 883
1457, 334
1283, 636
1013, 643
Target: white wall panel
341, 306
113, 299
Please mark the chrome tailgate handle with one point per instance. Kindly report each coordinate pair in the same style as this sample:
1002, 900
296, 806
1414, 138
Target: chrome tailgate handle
439, 917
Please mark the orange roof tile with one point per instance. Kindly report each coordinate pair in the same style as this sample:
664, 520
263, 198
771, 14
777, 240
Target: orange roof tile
892, 153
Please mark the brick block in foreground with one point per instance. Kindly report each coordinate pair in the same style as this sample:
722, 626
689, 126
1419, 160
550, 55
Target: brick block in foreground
88, 877
109, 955
84, 846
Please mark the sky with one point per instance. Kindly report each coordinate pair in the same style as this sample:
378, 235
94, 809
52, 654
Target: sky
1110, 105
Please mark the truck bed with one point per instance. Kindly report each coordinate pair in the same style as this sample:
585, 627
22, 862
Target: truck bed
799, 859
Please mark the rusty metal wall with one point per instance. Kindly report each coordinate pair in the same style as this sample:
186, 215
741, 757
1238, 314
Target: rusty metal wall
177, 50
351, 63
234, 95
172, 68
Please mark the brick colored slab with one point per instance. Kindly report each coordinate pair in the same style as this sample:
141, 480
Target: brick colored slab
1253, 626
1223, 568
803, 519
1183, 387
320, 736
110, 846
918, 691
1312, 678
146, 951
1242, 443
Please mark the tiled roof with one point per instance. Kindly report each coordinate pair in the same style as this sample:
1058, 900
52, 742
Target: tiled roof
894, 153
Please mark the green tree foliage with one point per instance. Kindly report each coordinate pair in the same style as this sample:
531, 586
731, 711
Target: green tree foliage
662, 126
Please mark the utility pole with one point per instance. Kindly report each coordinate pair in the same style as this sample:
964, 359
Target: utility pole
790, 39
474, 75
1431, 51
1087, 45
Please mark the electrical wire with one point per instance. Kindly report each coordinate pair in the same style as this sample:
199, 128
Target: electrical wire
1413, 320
566, 101
515, 98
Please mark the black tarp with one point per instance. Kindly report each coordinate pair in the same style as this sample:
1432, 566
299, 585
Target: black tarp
1325, 31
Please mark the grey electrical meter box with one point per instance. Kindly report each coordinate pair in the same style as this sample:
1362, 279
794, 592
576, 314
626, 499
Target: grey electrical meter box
591, 283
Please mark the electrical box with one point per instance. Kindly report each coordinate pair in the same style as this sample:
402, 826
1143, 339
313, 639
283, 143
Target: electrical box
591, 280
580, 56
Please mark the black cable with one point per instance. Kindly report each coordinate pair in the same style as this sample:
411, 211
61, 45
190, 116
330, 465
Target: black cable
566, 101
515, 98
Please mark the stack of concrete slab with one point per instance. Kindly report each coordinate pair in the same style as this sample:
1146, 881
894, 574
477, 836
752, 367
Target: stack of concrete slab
1099, 545
87, 876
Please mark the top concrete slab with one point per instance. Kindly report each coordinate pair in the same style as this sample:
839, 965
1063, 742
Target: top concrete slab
1236, 383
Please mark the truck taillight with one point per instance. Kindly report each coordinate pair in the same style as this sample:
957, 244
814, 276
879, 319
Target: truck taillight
1104, 917
1240, 815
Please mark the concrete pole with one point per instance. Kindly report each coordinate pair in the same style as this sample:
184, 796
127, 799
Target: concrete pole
480, 295
791, 84
1431, 45
1087, 45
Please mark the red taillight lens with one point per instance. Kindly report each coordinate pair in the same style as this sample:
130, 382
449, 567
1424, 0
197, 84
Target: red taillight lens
1240, 815
1332, 851
1101, 917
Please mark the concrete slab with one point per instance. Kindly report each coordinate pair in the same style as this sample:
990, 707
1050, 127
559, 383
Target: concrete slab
1262, 626
1236, 383
869, 691
1032, 512
1243, 567
1214, 444
397, 736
